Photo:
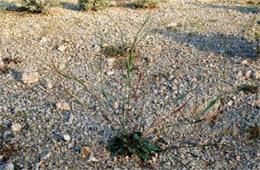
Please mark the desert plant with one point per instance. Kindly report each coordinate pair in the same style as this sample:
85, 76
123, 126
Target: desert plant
93, 4
38, 6
146, 3
130, 141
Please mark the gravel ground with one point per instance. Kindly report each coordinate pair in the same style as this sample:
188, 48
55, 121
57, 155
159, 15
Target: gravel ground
188, 44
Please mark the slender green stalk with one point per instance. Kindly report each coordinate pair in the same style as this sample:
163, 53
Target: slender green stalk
127, 93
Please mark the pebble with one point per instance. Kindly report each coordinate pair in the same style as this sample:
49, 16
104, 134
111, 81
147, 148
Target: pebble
230, 103
249, 74
16, 127
240, 74
148, 59
7, 166
116, 104
2, 64
111, 61
175, 81
62, 48
44, 40
244, 62
66, 137
30, 77
62, 65
112, 3
257, 75
85, 151
109, 73
45, 156
96, 47
171, 25
92, 158
63, 106
47, 84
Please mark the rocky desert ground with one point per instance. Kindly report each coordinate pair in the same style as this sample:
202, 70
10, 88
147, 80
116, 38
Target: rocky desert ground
212, 47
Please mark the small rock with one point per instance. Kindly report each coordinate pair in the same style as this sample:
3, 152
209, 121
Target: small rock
244, 62
171, 25
106, 45
62, 48
230, 103
45, 156
111, 61
92, 158
109, 73
7, 166
257, 75
63, 106
85, 151
112, 3
116, 104
44, 40
148, 59
62, 65
236, 132
248, 73
30, 77
47, 84
96, 47
238, 158
211, 55
2, 64
182, 151
240, 74
66, 137
175, 81
16, 127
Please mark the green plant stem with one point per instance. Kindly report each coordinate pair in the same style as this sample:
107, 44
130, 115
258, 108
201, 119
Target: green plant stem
127, 93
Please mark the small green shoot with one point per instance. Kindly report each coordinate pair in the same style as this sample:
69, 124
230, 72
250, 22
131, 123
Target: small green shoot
132, 144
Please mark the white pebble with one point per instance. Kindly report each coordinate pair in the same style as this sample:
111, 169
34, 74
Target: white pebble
66, 137
62, 48
16, 127
230, 103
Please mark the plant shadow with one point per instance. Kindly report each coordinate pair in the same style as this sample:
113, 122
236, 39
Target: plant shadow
70, 6
220, 44
243, 9
9, 6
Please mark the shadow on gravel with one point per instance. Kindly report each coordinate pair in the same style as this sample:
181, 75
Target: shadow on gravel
242, 9
8, 6
70, 6
217, 43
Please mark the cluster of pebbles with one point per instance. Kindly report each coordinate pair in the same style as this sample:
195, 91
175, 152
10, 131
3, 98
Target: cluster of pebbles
210, 47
